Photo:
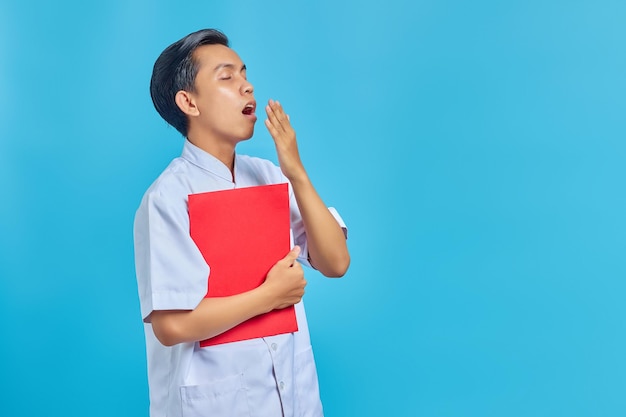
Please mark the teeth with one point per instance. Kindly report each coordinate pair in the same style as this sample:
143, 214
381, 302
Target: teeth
248, 109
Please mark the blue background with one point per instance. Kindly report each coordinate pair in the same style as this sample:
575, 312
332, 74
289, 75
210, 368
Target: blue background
475, 149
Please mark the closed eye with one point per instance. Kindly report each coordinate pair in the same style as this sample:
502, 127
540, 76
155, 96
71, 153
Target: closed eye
226, 70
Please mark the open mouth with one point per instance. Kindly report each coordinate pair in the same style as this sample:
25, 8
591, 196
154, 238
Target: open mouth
249, 109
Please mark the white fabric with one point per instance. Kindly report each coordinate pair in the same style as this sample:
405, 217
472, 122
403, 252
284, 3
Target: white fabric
272, 376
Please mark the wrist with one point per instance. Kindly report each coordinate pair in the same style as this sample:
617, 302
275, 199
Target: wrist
298, 178
264, 298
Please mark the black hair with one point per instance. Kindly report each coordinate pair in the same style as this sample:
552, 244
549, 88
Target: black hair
176, 69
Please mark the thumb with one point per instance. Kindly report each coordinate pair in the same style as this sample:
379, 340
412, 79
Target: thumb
292, 255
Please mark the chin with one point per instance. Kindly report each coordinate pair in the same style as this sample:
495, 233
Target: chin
243, 134
248, 135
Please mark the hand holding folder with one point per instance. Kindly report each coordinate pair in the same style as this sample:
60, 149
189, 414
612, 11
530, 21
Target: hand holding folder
241, 234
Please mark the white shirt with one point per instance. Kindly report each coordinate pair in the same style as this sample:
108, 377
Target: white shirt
271, 376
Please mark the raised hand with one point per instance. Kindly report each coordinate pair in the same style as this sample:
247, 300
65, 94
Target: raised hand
279, 126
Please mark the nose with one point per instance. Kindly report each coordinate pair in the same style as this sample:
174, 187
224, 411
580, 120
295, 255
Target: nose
247, 88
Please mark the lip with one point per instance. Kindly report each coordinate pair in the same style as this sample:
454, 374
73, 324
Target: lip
251, 115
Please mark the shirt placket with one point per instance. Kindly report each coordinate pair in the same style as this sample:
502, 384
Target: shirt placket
282, 362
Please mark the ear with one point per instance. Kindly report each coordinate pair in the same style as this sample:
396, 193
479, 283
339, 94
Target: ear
186, 103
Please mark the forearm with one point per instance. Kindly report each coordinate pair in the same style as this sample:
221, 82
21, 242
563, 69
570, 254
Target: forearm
326, 241
211, 317
328, 251
283, 287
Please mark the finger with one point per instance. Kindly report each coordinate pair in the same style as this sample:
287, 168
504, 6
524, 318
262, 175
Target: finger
292, 255
270, 127
280, 112
273, 118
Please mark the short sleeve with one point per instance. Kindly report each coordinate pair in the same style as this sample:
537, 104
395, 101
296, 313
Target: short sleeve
297, 229
340, 221
171, 272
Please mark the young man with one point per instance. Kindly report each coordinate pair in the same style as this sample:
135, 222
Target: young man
199, 86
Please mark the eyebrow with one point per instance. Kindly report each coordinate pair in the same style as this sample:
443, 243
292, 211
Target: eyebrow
220, 66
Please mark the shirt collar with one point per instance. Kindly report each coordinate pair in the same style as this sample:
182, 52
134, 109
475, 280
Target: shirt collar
206, 161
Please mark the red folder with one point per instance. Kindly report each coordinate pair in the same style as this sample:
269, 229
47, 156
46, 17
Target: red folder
241, 234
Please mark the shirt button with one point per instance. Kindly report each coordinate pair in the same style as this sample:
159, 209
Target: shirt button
281, 385
274, 347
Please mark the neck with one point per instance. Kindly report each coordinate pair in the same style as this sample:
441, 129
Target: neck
222, 150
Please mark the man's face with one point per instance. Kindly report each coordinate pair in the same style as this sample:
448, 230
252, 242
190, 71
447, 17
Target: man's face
223, 95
